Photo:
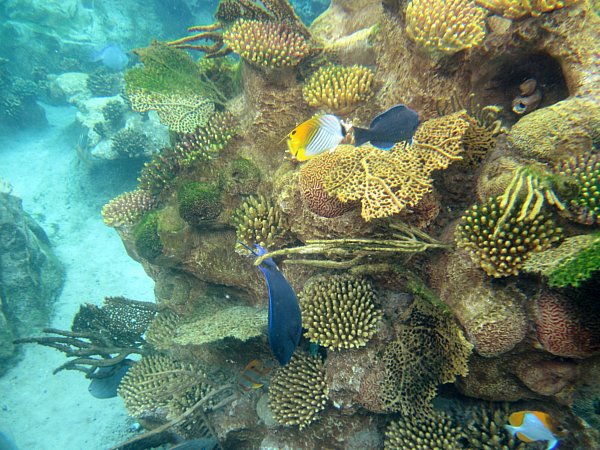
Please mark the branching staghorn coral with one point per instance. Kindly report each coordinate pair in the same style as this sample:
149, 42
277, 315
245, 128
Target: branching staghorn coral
339, 89
423, 433
267, 44
338, 311
516, 9
502, 242
298, 391
127, 209
348, 252
388, 182
445, 27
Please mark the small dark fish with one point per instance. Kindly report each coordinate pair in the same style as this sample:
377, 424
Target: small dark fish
397, 124
106, 386
254, 375
6, 443
112, 56
197, 444
285, 320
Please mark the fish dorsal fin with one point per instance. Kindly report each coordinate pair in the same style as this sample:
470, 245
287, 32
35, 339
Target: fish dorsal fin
382, 115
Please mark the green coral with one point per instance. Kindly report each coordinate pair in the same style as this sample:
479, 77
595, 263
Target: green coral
584, 171
199, 202
225, 74
146, 238
127, 208
243, 176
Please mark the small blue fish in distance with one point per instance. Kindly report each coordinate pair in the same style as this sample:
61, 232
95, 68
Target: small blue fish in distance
112, 56
109, 378
285, 320
397, 124
531, 426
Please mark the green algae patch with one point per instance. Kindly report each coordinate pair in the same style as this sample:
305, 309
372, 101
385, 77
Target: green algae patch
146, 238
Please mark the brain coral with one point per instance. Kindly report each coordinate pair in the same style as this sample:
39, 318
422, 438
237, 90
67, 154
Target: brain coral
298, 392
423, 433
267, 44
568, 327
310, 182
339, 89
338, 311
502, 252
445, 27
127, 208
515, 9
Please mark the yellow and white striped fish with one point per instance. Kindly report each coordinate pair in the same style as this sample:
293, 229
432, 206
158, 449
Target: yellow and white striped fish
315, 136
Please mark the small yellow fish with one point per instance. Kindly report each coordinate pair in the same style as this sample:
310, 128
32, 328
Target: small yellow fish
531, 426
315, 136
254, 375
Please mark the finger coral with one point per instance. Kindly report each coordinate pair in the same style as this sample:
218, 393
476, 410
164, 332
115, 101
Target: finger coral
182, 113
259, 221
387, 182
127, 209
445, 27
502, 249
298, 392
423, 433
339, 89
516, 9
267, 44
338, 311
584, 170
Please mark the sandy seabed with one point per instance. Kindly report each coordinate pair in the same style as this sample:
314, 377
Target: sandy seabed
38, 410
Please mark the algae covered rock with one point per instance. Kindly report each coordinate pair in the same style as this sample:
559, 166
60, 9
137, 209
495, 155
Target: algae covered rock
199, 202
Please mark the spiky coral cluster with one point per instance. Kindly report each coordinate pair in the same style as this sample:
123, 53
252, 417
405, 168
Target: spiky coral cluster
445, 27
430, 350
387, 182
130, 143
501, 249
259, 221
338, 88
585, 172
160, 171
515, 9
338, 311
298, 392
267, 44
182, 113
568, 327
487, 426
162, 329
127, 208
310, 181
423, 433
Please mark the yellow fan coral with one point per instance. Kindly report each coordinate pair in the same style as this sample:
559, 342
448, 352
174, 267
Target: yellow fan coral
338, 88
515, 9
445, 26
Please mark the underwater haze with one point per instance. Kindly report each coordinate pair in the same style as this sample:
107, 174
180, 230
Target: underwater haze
309, 224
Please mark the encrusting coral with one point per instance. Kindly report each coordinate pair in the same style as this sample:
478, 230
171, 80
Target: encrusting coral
584, 170
516, 9
128, 208
445, 27
259, 221
339, 89
298, 391
338, 311
199, 202
423, 433
388, 182
267, 44
501, 249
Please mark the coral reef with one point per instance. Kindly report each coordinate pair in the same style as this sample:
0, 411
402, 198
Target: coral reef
127, 209
130, 143
485, 430
199, 203
339, 89
259, 221
243, 176
102, 83
584, 171
338, 311
162, 329
445, 27
298, 392
516, 9
501, 249
146, 238
423, 433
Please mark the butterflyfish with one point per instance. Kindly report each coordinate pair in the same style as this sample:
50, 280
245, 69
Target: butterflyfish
396, 124
531, 426
315, 136
285, 320
254, 376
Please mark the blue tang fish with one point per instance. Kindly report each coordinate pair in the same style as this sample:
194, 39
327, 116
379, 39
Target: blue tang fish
531, 426
397, 124
109, 378
112, 56
285, 320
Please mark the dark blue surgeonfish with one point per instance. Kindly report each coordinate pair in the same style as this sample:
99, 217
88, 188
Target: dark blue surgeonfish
397, 124
285, 320
106, 387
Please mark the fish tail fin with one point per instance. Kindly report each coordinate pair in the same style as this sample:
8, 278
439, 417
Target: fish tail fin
551, 444
512, 430
361, 135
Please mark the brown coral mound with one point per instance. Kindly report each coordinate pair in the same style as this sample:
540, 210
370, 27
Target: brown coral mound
128, 208
423, 433
430, 350
515, 9
298, 392
387, 182
338, 311
568, 327
310, 181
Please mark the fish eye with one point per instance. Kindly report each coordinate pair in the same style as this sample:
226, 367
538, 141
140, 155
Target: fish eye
293, 132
